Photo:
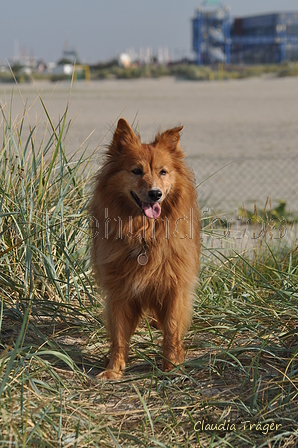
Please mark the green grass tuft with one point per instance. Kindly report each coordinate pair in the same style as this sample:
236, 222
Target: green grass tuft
240, 382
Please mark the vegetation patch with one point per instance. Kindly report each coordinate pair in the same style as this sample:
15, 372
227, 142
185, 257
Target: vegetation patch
185, 71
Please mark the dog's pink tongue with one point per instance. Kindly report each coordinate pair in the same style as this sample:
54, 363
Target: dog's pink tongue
151, 210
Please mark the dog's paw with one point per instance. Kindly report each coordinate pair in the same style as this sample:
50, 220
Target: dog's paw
111, 375
173, 368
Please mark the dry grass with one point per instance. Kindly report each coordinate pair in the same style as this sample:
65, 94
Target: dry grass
241, 363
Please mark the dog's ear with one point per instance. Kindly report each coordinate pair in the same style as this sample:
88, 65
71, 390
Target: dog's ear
123, 137
170, 138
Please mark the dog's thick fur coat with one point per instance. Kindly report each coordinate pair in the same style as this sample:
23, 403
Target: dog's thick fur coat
144, 210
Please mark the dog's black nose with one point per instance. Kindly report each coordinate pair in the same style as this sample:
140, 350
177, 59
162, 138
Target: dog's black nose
155, 194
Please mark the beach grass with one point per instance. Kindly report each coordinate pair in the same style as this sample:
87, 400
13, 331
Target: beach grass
239, 386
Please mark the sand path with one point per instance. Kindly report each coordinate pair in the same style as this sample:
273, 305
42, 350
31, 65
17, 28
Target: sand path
251, 122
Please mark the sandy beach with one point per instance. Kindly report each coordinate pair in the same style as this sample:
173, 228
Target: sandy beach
249, 124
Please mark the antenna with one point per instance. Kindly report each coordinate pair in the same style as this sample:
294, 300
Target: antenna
16, 51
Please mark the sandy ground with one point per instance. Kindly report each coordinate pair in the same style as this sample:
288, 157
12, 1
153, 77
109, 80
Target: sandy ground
252, 124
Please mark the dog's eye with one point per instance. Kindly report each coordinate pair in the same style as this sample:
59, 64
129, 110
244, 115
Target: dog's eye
163, 172
137, 171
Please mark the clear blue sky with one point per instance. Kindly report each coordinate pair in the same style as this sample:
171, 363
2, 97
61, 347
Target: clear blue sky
101, 29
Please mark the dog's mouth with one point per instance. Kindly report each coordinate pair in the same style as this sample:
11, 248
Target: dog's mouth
151, 209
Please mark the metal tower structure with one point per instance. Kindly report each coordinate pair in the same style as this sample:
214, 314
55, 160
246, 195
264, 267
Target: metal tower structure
211, 33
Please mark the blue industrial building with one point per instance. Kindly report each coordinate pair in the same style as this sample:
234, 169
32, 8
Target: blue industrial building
265, 38
211, 34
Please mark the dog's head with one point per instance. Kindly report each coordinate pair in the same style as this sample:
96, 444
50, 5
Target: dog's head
146, 172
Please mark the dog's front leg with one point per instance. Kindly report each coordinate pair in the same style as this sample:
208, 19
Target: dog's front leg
122, 321
173, 351
175, 320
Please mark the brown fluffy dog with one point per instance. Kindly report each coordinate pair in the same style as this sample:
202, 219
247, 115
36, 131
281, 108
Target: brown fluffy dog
145, 245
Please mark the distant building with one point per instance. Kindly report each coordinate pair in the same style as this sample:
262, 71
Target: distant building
163, 55
71, 56
146, 55
61, 69
65, 65
211, 34
265, 38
